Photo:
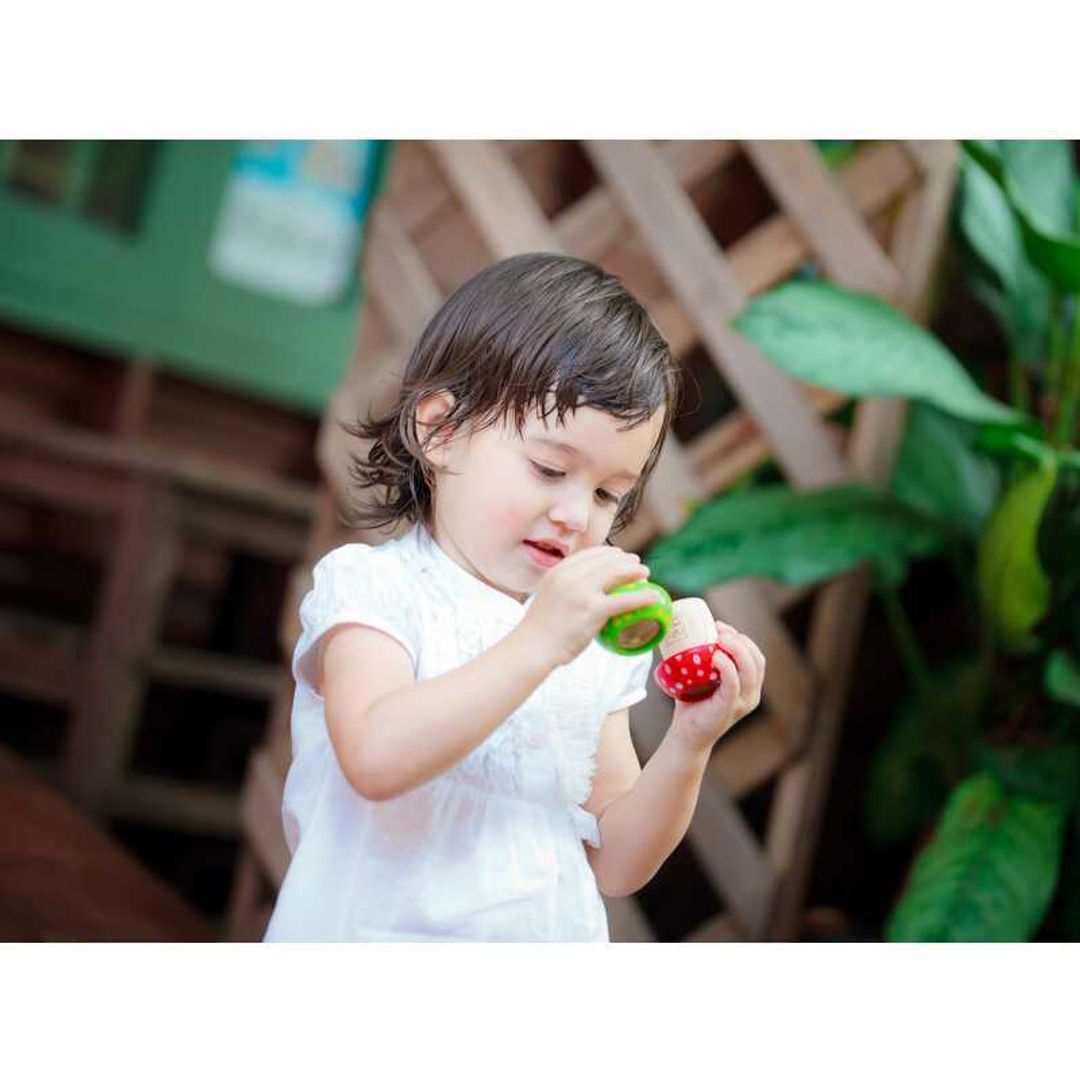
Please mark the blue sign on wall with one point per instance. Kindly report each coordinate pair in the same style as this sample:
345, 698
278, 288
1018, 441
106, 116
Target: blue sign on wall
291, 217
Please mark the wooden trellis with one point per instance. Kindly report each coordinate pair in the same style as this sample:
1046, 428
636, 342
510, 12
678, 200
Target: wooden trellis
875, 225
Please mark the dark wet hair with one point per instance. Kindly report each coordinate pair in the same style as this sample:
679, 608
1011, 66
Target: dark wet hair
533, 333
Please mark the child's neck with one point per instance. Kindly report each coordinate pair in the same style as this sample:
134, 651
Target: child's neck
446, 545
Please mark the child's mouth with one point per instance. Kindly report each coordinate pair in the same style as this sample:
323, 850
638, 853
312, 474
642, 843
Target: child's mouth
543, 556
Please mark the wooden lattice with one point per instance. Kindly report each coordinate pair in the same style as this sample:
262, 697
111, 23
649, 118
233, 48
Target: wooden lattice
876, 225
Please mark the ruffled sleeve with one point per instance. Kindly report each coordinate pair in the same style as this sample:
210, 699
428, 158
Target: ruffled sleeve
355, 583
630, 681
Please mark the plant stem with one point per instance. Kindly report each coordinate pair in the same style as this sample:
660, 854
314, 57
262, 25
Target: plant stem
906, 641
1018, 387
1069, 398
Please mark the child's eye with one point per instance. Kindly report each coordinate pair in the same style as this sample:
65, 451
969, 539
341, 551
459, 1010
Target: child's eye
555, 474
550, 474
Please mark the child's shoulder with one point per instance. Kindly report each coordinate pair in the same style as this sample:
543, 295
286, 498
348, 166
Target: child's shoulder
390, 562
397, 551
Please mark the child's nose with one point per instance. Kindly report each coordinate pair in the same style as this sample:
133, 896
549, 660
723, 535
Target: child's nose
571, 513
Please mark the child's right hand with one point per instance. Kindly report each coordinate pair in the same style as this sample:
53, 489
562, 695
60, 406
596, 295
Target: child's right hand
572, 602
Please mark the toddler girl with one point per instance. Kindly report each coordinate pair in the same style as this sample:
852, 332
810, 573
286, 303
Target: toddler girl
462, 764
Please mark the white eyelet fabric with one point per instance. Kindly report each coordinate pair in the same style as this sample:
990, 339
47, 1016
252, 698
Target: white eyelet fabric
492, 849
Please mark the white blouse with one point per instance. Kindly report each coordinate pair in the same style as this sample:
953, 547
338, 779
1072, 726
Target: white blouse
490, 850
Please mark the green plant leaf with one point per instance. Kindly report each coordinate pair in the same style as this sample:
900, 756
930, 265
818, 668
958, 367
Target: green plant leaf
794, 537
988, 222
836, 152
987, 152
1035, 177
1009, 442
1014, 590
858, 344
1062, 679
939, 474
1058, 257
989, 872
1042, 177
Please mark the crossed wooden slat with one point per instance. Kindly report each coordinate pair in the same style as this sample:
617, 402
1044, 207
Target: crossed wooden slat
486, 203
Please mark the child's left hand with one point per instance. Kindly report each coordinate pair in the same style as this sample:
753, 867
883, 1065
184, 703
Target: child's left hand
698, 724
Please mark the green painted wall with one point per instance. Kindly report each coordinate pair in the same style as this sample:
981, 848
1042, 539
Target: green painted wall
151, 293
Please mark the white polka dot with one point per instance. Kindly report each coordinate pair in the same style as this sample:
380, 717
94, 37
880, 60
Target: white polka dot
714, 676
700, 672
697, 659
678, 686
684, 671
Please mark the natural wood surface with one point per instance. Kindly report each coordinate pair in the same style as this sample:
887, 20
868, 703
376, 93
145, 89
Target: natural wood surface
64, 879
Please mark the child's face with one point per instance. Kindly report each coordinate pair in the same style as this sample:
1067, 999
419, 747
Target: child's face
510, 489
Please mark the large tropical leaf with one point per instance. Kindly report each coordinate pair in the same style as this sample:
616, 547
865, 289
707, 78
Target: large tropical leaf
791, 536
1033, 176
858, 344
1014, 590
989, 872
1043, 178
939, 474
992, 229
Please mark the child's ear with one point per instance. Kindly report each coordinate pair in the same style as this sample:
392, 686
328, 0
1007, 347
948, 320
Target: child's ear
430, 412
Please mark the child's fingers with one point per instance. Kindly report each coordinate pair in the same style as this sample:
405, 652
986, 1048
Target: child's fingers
730, 684
748, 657
739, 649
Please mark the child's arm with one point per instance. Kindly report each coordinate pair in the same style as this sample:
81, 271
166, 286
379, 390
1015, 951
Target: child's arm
644, 813
391, 733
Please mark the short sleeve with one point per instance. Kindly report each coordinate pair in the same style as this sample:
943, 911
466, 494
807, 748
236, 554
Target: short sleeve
630, 681
355, 583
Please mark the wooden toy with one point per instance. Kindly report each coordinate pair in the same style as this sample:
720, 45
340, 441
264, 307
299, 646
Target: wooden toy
638, 631
686, 670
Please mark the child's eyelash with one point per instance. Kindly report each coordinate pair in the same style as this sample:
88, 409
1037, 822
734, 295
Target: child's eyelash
554, 474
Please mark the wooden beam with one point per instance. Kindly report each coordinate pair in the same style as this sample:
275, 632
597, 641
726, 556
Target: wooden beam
174, 804
496, 197
210, 671
259, 531
126, 622
626, 920
402, 285
753, 752
814, 201
260, 814
703, 283
791, 684
595, 222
